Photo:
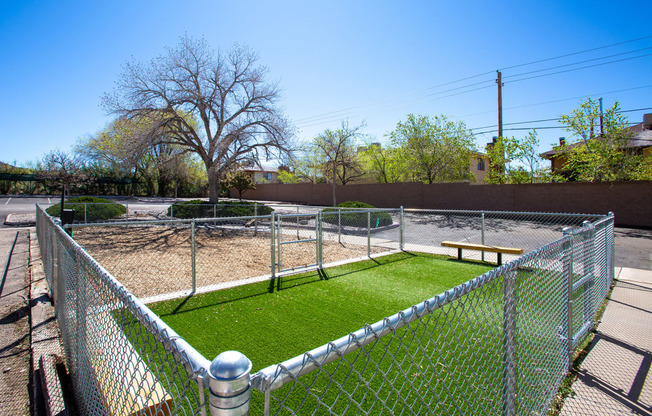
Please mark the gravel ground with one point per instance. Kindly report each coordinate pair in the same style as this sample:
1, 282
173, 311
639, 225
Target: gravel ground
155, 260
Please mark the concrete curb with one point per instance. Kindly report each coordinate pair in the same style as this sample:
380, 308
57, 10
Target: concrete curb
47, 353
21, 220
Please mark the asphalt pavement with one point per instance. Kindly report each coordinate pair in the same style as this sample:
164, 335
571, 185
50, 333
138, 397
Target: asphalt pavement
633, 246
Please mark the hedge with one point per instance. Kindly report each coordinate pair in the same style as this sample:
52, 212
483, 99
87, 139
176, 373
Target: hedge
356, 219
202, 209
97, 209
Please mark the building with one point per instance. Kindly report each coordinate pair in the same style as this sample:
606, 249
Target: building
260, 173
638, 143
479, 166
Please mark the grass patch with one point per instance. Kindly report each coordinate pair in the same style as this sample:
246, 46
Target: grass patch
271, 322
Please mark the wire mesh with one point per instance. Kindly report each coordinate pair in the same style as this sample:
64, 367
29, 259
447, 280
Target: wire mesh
499, 344
425, 230
121, 357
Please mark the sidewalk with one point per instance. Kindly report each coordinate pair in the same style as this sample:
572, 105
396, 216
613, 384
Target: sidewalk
615, 377
14, 323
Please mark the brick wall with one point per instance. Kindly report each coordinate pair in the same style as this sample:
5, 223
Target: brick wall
630, 201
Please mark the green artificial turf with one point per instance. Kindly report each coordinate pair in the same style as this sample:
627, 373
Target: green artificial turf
270, 323
450, 361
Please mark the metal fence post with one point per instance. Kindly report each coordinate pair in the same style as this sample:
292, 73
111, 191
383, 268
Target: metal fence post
320, 241
85, 210
402, 230
482, 242
172, 210
272, 245
317, 243
567, 260
589, 272
214, 210
339, 225
192, 243
611, 254
127, 208
368, 233
228, 384
279, 239
509, 342
256, 220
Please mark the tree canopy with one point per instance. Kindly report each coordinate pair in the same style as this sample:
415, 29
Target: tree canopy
235, 107
436, 148
600, 150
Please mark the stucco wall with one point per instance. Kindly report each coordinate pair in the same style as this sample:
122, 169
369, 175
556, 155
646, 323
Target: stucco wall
630, 201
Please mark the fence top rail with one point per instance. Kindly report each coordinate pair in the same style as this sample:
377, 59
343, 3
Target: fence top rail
179, 221
198, 364
218, 204
543, 214
276, 376
333, 209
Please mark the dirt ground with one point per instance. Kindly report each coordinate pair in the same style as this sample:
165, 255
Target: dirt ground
154, 260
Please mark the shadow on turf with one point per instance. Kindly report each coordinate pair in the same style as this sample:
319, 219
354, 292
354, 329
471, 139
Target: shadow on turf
209, 300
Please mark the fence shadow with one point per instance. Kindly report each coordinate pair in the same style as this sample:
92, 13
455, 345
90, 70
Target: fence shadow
194, 302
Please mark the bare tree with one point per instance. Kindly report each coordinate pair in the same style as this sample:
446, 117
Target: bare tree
337, 152
62, 169
235, 109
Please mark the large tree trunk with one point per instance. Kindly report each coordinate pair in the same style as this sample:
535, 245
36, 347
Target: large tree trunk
213, 188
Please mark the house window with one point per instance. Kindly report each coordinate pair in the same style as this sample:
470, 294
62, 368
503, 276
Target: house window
268, 176
480, 163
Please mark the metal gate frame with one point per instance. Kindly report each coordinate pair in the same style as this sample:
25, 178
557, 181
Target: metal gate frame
277, 226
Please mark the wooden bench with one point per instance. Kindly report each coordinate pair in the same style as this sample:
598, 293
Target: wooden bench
481, 247
145, 395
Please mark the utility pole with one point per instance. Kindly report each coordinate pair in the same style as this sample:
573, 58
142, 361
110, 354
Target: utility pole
601, 127
500, 105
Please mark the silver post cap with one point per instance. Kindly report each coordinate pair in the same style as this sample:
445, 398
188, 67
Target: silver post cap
230, 365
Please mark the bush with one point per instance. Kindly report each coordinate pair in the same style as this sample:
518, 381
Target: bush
202, 209
356, 219
97, 209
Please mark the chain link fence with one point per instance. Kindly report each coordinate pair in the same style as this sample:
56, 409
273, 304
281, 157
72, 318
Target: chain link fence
498, 344
172, 258
122, 358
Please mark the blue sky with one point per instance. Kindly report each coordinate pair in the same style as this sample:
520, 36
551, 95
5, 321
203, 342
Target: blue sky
375, 61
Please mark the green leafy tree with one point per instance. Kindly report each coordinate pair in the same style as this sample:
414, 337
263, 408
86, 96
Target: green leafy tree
241, 182
120, 150
595, 157
304, 165
436, 148
384, 164
513, 160
227, 94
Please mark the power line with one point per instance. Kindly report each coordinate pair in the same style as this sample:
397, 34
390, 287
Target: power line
551, 119
575, 53
579, 62
584, 67
394, 102
530, 128
558, 101
402, 96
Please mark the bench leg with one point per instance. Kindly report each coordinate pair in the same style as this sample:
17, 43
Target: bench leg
459, 254
500, 258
